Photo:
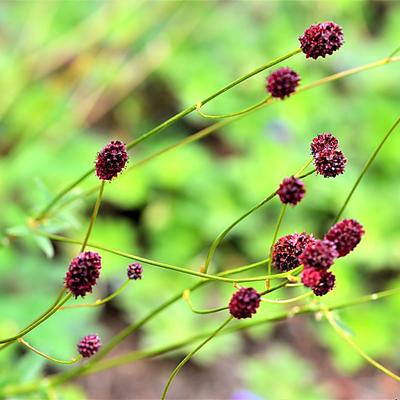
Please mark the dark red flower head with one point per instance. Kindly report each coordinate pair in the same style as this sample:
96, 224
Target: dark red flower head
135, 271
319, 254
330, 163
312, 277
322, 143
244, 303
321, 39
282, 82
89, 346
83, 273
111, 160
346, 235
325, 285
287, 250
291, 191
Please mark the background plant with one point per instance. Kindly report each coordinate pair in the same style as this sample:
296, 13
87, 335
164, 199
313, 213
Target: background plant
44, 125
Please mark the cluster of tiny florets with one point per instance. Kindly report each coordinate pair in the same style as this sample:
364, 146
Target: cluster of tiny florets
291, 191
111, 160
288, 249
346, 235
282, 82
325, 285
244, 303
329, 161
89, 346
321, 39
323, 142
135, 271
319, 254
83, 272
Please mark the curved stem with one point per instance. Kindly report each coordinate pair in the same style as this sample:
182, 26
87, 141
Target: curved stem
93, 216
100, 301
278, 225
169, 266
286, 301
38, 322
170, 121
190, 355
29, 346
366, 166
344, 335
186, 297
235, 114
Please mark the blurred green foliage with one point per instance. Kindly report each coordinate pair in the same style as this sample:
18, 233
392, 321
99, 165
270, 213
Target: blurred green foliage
76, 74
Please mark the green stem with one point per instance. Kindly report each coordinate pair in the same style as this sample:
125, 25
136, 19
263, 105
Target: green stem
40, 353
323, 81
365, 168
186, 297
93, 217
61, 194
190, 355
345, 336
278, 225
38, 322
286, 301
170, 121
235, 114
168, 266
100, 301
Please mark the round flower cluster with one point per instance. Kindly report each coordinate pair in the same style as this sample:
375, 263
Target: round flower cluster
329, 161
321, 39
282, 82
135, 271
319, 255
244, 303
288, 249
111, 160
83, 272
89, 346
291, 191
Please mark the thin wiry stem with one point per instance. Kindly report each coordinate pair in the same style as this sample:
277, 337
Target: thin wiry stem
190, 355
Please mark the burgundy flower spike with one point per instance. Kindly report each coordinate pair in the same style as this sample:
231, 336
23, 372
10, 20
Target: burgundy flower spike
282, 82
135, 271
83, 272
346, 235
321, 39
111, 160
89, 346
291, 191
287, 250
244, 303
319, 254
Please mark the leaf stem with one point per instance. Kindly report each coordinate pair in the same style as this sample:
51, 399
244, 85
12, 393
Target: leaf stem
29, 346
186, 297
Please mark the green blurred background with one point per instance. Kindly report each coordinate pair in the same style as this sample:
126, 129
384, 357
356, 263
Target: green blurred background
75, 75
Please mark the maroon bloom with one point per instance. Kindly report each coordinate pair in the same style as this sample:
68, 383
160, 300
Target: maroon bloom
291, 191
346, 235
135, 271
325, 285
312, 277
89, 346
111, 160
282, 82
244, 303
330, 163
319, 254
321, 39
83, 273
287, 250
322, 143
